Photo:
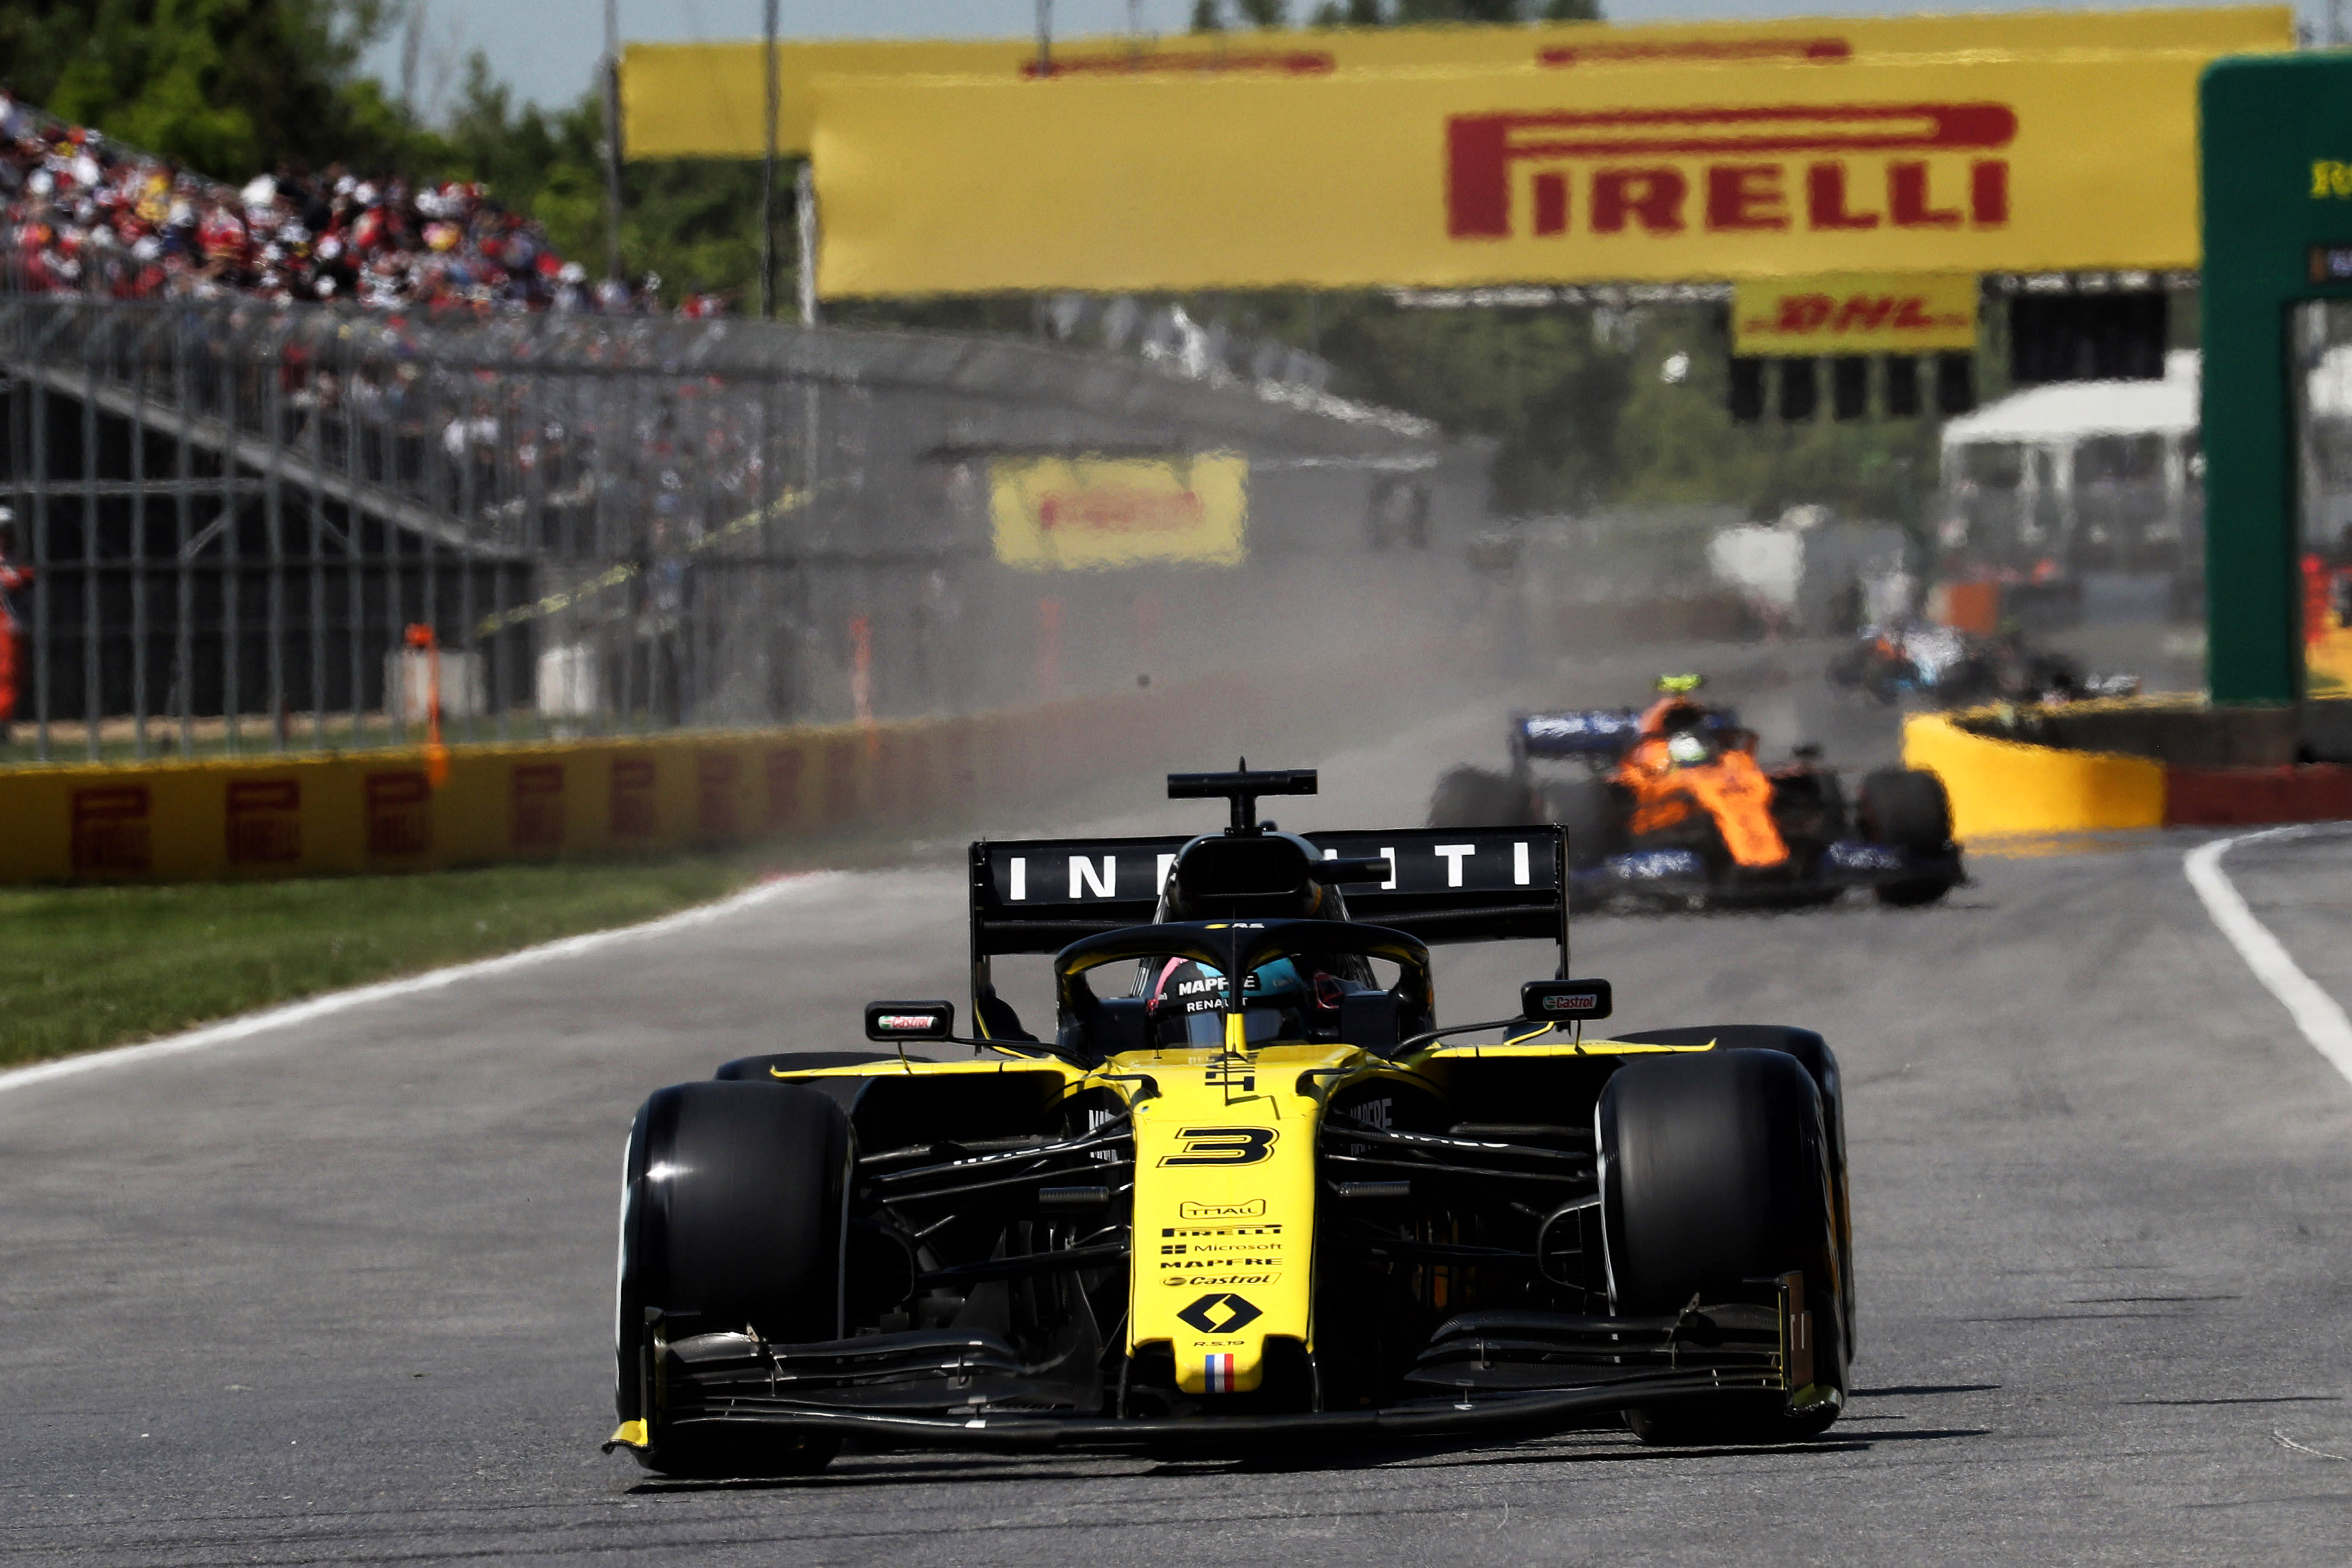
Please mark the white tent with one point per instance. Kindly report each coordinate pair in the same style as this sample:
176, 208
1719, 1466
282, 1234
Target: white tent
2110, 468
2072, 411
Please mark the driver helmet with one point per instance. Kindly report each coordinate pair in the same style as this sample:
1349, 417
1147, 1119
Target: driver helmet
1188, 1002
1686, 746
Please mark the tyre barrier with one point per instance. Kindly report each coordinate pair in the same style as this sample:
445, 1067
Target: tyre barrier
2000, 787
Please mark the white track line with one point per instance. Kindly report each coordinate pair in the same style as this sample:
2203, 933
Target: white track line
431, 979
2314, 1012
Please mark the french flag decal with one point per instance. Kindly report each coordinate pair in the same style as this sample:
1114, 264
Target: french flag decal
1221, 1374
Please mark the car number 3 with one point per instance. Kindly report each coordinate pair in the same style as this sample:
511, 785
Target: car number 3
1222, 1146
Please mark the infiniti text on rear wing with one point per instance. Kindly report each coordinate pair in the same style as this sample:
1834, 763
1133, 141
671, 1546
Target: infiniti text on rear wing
1444, 885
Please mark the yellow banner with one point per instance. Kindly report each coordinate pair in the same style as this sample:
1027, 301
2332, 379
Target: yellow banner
1456, 178
1056, 513
1877, 313
704, 101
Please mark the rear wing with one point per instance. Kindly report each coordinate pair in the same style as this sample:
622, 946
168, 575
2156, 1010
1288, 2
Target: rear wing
1593, 732
1445, 885
1599, 732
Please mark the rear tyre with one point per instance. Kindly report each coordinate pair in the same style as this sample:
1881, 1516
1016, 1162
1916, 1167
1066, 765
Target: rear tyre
1475, 797
731, 1215
1907, 808
1714, 1174
1588, 809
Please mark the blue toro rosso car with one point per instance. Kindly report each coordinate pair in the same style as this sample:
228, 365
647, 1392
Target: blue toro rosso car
1671, 805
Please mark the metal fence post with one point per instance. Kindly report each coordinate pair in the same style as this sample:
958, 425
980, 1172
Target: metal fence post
183, 571
92, 695
232, 598
274, 520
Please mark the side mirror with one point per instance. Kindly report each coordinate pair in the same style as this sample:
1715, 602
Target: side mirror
1336, 872
910, 1020
1564, 1001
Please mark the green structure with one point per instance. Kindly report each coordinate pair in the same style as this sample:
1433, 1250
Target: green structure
2277, 181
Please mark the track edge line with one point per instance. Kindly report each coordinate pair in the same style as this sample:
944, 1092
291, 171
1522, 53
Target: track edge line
2316, 1014
248, 1025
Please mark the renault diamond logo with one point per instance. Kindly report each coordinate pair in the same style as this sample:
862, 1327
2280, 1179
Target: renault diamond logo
1222, 1313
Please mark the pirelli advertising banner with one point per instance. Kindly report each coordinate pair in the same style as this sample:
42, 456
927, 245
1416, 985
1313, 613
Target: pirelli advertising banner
1455, 178
1891, 313
1093, 513
703, 99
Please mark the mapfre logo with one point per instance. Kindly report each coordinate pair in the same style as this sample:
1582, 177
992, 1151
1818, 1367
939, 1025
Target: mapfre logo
1728, 169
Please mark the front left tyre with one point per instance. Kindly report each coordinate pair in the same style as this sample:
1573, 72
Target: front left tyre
730, 1217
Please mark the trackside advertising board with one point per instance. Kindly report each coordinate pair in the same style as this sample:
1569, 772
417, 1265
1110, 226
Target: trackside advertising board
705, 99
1058, 513
1455, 178
1862, 314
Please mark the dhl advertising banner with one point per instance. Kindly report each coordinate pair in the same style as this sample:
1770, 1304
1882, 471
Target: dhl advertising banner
705, 99
1056, 513
1892, 313
1455, 178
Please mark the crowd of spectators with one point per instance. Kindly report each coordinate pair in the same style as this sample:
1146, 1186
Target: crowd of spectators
83, 214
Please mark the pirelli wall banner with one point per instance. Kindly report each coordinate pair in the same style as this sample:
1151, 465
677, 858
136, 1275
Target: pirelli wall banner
1893, 312
1058, 513
1455, 178
704, 101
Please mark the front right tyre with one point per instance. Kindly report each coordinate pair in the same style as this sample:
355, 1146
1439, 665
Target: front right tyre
1907, 809
1477, 797
1715, 1175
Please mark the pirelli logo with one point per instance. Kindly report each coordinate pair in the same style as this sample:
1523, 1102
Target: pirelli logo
1731, 169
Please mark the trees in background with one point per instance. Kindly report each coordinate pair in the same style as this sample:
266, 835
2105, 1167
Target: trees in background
1573, 397
227, 86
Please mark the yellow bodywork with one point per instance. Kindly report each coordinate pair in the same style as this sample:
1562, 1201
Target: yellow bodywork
1225, 1206
1225, 1179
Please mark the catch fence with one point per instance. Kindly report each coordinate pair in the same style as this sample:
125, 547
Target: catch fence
236, 513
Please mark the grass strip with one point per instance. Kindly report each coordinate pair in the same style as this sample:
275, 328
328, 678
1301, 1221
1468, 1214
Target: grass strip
83, 968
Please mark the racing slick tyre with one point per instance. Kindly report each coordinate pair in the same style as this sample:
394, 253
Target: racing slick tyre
1588, 809
1475, 797
730, 1218
1820, 1064
1714, 1176
1907, 808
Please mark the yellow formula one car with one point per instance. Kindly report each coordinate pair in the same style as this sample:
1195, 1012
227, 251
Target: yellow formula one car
1200, 1214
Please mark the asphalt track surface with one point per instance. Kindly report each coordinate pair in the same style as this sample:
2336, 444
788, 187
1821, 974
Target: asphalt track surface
342, 1292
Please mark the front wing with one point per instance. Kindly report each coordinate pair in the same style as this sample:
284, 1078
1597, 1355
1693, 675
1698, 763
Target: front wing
1482, 1372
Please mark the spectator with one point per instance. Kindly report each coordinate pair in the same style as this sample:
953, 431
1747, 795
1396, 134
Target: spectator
82, 215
